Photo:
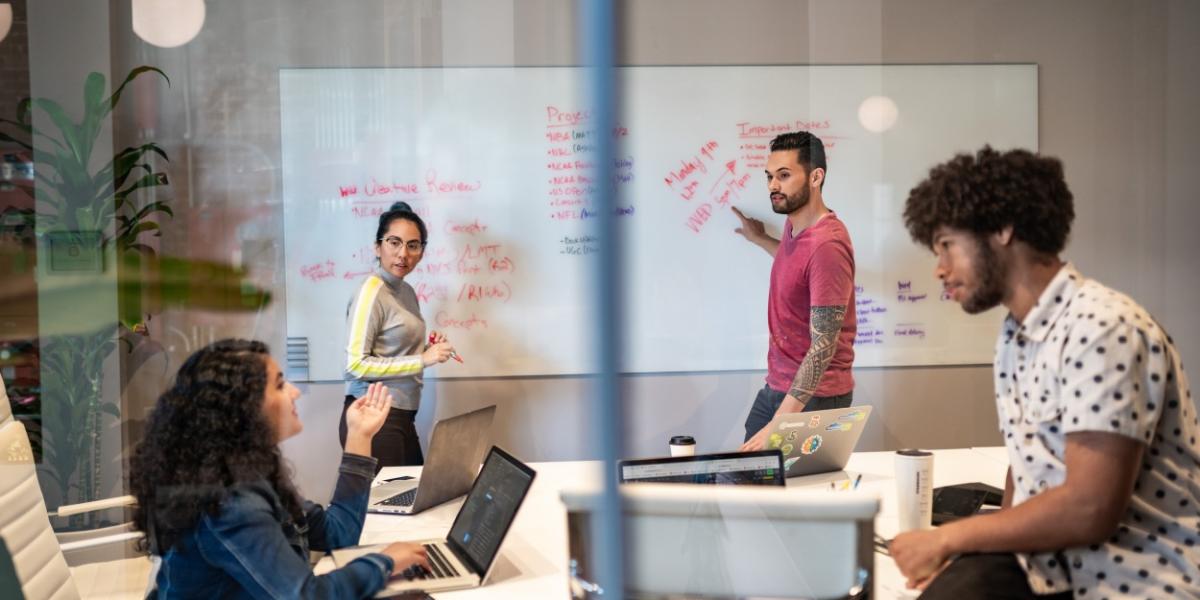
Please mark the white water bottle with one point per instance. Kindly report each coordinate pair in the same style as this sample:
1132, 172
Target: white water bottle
914, 489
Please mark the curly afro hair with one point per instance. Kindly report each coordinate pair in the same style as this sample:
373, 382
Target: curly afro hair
989, 191
207, 433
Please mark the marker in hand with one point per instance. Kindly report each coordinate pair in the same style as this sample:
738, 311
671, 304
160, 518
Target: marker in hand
453, 354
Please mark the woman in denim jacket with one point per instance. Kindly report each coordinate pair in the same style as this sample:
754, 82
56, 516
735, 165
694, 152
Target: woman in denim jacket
217, 503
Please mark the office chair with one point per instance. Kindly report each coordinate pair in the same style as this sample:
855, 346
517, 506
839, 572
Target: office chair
35, 552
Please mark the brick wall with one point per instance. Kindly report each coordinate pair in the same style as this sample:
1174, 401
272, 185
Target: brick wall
14, 65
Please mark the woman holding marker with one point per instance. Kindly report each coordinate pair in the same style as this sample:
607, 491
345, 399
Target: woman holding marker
387, 338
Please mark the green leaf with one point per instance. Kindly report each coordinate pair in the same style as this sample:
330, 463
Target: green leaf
32, 132
110, 409
103, 215
142, 248
141, 228
149, 209
46, 158
84, 216
93, 92
93, 108
123, 163
23, 110
120, 180
8, 138
116, 97
146, 181
66, 127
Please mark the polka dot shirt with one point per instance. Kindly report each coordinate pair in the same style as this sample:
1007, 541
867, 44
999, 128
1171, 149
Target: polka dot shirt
1087, 358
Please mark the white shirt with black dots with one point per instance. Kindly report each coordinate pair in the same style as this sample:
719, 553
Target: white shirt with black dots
1087, 358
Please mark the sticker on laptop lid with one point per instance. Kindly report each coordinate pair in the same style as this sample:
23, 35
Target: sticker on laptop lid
774, 441
811, 444
854, 415
786, 449
814, 421
787, 464
839, 426
791, 436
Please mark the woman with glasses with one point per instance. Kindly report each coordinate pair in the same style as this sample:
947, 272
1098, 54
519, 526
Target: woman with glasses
387, 338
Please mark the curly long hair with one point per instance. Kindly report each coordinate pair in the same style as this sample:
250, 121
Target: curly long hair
207, 433
991, 190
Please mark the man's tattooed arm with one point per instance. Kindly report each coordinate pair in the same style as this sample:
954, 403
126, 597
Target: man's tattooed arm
825, 325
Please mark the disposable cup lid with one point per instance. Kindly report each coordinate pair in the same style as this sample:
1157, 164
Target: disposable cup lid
682, 440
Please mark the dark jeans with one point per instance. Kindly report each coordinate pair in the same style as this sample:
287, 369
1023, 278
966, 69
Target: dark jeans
768, 400
396, 444
987, 577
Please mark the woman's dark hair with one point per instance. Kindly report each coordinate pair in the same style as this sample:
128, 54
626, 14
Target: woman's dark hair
400, 210
991, 190
207, 433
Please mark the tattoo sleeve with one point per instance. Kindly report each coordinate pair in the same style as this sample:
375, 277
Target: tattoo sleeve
825, 324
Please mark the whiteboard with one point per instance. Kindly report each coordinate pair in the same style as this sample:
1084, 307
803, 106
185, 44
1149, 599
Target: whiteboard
496, 160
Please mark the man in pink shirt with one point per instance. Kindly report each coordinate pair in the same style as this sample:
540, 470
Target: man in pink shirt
810, 308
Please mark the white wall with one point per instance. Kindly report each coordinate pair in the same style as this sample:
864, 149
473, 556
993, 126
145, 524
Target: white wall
1118, 97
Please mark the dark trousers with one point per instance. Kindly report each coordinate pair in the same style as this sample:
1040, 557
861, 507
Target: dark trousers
768, 400
396, 444
987, 577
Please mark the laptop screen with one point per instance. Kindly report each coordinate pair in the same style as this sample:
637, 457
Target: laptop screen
489, 509
764, 467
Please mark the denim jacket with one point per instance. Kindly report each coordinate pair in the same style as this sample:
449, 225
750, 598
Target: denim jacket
253, 549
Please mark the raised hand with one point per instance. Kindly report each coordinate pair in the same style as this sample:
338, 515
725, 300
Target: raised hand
366, 415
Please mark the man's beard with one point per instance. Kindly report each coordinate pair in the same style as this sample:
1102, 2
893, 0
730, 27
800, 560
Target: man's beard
991, 276
792, 203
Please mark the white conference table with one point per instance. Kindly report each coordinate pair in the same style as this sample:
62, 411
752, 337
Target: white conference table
533, 558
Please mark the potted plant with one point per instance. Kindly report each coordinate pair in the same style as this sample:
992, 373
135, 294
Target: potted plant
82, 215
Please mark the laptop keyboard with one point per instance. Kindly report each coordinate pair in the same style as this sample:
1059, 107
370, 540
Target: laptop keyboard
402, 499
439, 567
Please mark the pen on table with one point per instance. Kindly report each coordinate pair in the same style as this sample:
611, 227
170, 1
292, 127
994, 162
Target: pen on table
453, 354
856, 480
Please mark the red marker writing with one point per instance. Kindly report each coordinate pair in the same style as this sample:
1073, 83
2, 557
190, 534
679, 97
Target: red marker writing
453, 354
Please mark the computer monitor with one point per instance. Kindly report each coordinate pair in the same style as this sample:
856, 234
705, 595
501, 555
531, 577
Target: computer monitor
764, 467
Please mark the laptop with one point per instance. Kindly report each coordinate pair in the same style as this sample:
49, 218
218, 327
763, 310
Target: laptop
456, 448
465, 557
764, 467
819, 441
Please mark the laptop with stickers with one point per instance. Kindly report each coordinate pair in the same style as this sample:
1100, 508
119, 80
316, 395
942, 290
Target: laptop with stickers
819, 441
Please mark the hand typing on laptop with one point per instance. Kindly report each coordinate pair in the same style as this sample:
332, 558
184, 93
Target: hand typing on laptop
407, 553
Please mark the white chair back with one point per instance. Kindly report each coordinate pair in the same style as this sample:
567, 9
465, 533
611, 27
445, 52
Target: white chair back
5, 407
737, 541
24, 524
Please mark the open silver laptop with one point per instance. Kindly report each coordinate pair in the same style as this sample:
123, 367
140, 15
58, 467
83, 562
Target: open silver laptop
465, 557
819, 441
456, 447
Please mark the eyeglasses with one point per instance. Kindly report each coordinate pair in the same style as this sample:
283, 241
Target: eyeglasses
395, 244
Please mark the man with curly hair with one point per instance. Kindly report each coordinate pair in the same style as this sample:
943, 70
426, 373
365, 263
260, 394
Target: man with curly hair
810, 306
1102, 495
